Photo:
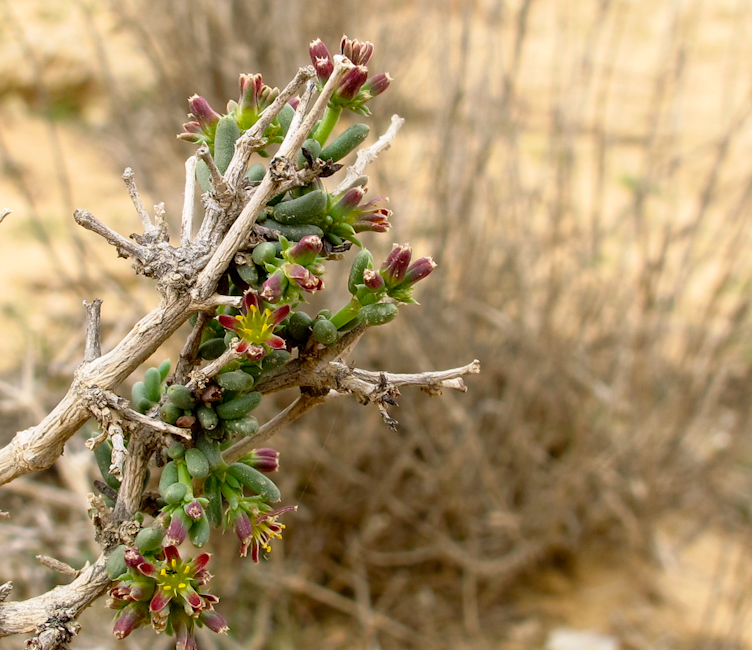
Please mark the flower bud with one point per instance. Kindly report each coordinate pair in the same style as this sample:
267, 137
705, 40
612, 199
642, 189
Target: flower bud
419, 270
274, 287
303, 278
373, 280
321, 59
376, 84
351, 83
359, 52
214, 621
205, 115
194, 510
394, 268
178, 528
131, 617
305, 251
264, 460
349, 201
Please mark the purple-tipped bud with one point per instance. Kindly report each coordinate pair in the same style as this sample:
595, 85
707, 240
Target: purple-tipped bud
349, 201
205, 115
184, 639
351, 83
214, 621
321, 59
419, 270
294, 102
373, 280
305, 251
129, 619
394, 268
194, 510
244, 531
250, 89
274, 287
359, 52
264, 460
303, 278
177, 530
133, 557
376, 84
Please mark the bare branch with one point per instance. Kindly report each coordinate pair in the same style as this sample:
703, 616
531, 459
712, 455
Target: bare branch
93, 346
366, 156
189, 200
57, 565
130, 182
221, 189
125, 247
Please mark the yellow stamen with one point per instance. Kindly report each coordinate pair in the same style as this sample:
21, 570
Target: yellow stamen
167, 587
186, 569
163, 572
174, 563
181, 585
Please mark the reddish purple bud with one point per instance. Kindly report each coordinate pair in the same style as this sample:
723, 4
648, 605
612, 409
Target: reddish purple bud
131, 617
394, 268
177, 530
373, 280
205, 115
133, 557
214, 621
264, 460
305, 251
244, 531
294, 102
250, 90
303, 278
184, 639
194, 510
349, 201
359, 52
351, 83
321, 59
274, 287
419, 270
377, 84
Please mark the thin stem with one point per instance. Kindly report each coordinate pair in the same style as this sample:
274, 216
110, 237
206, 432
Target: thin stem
327, 124
93, 345
130, 182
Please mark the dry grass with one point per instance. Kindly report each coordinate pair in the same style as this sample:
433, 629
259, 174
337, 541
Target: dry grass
579, 171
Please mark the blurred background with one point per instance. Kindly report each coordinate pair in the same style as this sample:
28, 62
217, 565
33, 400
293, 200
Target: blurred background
580, 171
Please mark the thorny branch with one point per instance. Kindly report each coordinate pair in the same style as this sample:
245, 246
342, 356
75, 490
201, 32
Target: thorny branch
187, 280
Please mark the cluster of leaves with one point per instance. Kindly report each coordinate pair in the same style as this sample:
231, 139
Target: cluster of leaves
198, 490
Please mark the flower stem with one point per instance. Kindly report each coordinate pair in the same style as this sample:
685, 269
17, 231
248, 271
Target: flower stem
327, 124
346, 314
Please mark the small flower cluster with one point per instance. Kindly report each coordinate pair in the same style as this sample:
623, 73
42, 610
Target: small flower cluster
356, 87
167, 593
